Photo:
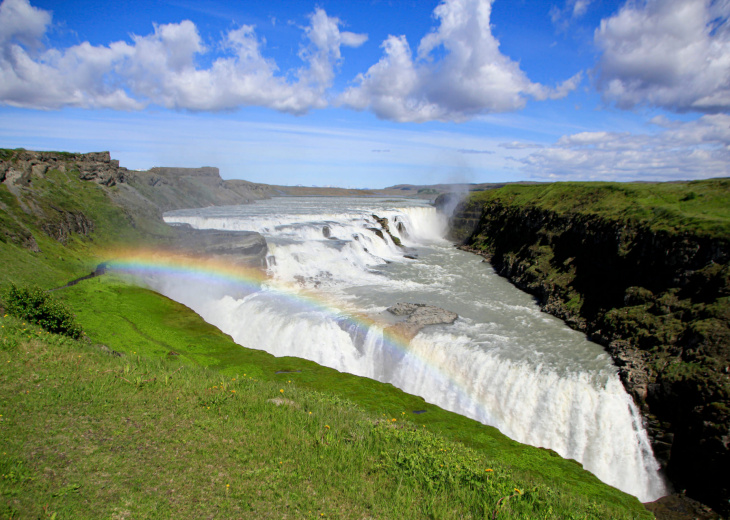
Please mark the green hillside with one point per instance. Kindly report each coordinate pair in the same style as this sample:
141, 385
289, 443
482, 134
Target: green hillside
697, 207
156, 414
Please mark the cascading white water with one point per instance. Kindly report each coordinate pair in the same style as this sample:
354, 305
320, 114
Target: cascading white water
503, 362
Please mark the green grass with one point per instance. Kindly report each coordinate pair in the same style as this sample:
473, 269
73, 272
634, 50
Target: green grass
698, 207
159, 432
84, 434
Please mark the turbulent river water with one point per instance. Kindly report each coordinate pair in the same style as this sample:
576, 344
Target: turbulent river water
503, 362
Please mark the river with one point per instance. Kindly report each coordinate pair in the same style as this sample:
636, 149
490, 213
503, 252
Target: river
503, 362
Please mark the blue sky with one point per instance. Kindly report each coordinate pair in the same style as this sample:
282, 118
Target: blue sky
375, 93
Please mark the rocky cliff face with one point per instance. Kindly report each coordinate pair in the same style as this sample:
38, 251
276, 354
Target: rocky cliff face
182, 188
245, 248
20, 167
166, 188
38, 185
657, 300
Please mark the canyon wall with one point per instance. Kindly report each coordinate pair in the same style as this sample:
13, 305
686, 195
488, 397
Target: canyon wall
650, 284
49, 193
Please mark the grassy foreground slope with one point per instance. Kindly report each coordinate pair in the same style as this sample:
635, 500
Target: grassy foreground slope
185, 423
85, 434
644, 269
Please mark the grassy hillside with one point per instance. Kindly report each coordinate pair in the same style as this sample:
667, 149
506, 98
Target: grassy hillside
698, 207
85, 434
185, 423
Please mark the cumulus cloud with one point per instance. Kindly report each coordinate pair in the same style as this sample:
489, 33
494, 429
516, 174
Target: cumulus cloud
161, 67
693, 150
458, 72
673, 54
22, 22
31, 76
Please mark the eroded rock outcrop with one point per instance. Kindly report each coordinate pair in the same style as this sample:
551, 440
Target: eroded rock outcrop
383, 222
20, 167
417, 316
139, 196
183, 188
244, 248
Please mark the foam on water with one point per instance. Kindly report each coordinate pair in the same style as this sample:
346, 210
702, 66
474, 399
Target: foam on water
503, 362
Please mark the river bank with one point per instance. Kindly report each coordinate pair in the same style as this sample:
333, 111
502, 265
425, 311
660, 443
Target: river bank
56, 228
643, 270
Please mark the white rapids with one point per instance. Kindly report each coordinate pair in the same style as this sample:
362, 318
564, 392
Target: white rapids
503, 362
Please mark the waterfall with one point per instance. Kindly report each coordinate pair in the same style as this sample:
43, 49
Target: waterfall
503, 362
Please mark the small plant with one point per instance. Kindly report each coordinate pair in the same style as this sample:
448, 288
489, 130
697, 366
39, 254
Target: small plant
32, 303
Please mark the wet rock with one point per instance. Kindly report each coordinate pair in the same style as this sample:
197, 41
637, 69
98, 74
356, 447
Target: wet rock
680, 507
378, 232
418, 315
246, 248
401, 227
386, 228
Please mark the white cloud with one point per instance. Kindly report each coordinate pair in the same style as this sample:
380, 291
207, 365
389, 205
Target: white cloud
33, 77
518, 145
22, 22
694, 150
673, 54
572, 10
161, 67
473, 77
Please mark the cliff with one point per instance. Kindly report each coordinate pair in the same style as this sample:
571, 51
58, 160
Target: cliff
20, 167
63, 195
645, 271
181, 188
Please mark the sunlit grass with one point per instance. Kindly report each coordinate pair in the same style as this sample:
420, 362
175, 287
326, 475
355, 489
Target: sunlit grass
700, 207
187, 424
84, 434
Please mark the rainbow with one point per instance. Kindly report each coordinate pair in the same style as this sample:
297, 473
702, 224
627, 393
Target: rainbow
183, 267
212, 271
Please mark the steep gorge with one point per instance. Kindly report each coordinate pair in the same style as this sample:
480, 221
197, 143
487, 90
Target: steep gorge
651, 284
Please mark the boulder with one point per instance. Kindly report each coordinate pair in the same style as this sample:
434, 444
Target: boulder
245, 248
418, 315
